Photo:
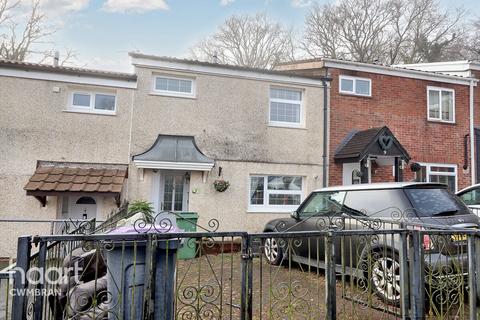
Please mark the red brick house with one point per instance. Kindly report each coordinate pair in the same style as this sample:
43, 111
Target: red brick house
390, 123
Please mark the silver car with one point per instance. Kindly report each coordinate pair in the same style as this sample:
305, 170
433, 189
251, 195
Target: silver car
374, 206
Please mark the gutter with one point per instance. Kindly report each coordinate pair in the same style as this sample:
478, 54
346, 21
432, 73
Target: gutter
472, 134
325, 81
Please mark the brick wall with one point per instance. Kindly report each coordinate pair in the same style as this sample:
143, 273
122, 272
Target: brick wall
400, 104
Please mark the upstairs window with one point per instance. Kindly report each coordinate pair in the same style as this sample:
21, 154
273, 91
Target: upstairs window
95, 102
441, 104
356, 86
174, 86
285, 107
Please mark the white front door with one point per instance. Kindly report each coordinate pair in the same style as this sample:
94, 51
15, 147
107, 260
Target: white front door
79, 207
350, 173
174, 191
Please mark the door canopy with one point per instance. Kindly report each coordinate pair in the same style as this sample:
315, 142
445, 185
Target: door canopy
174, 153
359, 145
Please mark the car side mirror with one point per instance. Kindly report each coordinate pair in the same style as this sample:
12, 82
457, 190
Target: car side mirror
295, 215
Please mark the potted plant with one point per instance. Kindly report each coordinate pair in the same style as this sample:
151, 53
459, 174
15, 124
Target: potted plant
221, 185
142, 206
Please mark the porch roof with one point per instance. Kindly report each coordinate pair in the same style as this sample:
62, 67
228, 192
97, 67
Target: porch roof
371, 142
174, 153
53, 178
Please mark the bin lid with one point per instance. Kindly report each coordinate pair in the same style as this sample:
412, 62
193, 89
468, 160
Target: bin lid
187, 215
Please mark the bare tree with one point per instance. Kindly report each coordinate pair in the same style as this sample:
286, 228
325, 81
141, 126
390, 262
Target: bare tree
26, 35
322, 37
245, 40
470, 48
387, 31
352, 29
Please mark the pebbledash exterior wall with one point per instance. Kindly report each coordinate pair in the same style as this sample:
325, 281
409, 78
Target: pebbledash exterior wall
34, 125
400, 103
229, 118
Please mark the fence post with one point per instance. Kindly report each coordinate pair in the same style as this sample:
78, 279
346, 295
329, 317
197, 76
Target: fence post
477, 274
417, 279
42, 259
330, 281
472, 277
404, 283
246, 310
20, 279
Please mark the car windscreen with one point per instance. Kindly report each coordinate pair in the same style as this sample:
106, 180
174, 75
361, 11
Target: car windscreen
429, 202
386, 203
322, 203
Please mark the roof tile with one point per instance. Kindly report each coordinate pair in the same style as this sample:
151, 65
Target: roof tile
77, 177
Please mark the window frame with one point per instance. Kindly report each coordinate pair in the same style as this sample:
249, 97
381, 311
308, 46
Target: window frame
354, 91
286, 124
265, 207
439, 90
435, 173
155, 91
91, 108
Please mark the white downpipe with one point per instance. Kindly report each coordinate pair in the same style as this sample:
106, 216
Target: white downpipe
472, 134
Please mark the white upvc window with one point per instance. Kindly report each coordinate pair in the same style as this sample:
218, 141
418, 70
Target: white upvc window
355, 85
286, 107
175, 86
441, 104
274, 193
92, 102
439, 173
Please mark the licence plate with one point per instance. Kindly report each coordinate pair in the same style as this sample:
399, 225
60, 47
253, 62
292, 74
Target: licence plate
458, 237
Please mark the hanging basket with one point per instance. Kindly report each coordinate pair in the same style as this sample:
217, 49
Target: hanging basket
221, 185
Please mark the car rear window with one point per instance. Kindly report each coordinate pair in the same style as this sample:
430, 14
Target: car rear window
377, 203
430, 202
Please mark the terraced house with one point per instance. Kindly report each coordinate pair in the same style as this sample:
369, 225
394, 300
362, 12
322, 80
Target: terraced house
398, 123
76, 143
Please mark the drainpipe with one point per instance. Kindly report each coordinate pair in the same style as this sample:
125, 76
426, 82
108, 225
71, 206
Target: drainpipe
325, 81
472, 134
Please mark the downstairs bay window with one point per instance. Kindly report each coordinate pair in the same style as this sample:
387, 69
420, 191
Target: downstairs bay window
438, 173
275, 193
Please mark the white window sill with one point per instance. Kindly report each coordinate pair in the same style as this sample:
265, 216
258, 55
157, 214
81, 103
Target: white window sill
286, 125
96, 112
271, 209
355, 94
172, 95
441, 121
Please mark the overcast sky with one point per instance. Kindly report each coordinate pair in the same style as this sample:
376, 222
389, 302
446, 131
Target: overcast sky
102, 32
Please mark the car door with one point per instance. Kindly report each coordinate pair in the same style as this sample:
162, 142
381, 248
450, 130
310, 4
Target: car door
320, 212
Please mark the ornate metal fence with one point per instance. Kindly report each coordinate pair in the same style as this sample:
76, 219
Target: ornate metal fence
342, 268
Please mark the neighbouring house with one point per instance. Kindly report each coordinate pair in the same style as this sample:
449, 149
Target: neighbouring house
64, 136
397, 124
76, 143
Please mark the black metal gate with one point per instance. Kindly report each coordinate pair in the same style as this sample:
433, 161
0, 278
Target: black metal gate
368, 270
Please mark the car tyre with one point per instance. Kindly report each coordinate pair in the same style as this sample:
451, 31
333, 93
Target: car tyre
385, 277
272, 250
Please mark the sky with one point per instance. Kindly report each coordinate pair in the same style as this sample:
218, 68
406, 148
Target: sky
102, 32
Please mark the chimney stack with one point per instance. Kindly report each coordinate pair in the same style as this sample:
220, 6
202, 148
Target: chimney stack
56, 59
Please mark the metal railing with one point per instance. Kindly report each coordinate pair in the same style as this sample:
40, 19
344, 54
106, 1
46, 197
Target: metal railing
55, 226
340, 268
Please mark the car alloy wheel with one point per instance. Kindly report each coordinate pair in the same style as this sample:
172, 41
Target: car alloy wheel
272, 251
386, 279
